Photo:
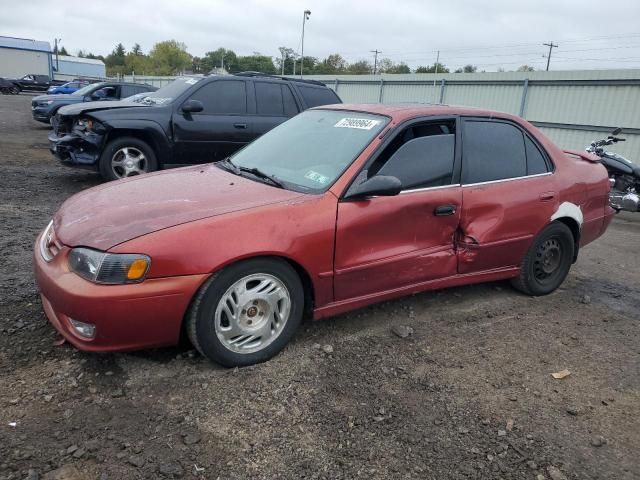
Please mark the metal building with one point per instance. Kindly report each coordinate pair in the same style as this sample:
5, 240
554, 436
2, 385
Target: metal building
20, 56
68, 67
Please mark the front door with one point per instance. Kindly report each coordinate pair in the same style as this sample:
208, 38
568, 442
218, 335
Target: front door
388, 243
220, 129
508, 194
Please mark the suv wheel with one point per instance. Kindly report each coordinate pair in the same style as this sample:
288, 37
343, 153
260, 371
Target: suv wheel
126, 157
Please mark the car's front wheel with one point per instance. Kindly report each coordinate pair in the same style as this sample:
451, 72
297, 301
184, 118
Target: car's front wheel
547, 262
246, 313
126, 157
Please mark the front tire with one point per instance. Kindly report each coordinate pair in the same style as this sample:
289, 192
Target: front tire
547, 262
246, 313
126, 157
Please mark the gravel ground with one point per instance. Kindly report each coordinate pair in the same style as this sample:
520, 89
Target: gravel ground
466, 394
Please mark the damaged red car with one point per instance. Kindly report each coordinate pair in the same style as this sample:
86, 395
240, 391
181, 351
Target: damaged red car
335, 209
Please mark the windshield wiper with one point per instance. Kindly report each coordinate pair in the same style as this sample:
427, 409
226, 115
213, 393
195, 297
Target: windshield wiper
260, 174
229, 166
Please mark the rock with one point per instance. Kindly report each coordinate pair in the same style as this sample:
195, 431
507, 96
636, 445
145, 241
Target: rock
92, 445
191, 438
136, 460
540, 476
513, 398
48, 398
117, 393
171, 470
32, 475
402, 331
463, 430
78, 453
328, 349
316, 346
72, 449
555, 473
14, 401
573, 411
598, 441
586, 299
475, 451
93, 390
66, 472
532, 465
502, 433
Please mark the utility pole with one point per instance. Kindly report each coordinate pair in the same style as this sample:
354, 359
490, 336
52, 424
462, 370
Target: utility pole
551, 46
55, 41
305, 17
437, 61
222, 63
282, 53
375, 60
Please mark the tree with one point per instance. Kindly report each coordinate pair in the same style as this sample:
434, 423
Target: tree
467, 69
333, 64
115, 60
399, 68
169, 57
309, 65
287, 56
254, 63
220, 58
525, 68
63, 51
361, 67
137, 50
441, 68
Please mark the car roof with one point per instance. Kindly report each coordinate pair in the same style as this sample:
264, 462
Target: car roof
405, 111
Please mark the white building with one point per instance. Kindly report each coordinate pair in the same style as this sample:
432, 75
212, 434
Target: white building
20, 56
68, 67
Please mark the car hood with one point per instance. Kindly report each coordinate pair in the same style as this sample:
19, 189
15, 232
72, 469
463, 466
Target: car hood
100, 105
60, 98
105, 216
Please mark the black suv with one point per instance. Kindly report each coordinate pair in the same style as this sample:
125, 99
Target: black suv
43, 107
191, 120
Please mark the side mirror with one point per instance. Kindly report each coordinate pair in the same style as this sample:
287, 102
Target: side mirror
617, 131
380, 185
192, 106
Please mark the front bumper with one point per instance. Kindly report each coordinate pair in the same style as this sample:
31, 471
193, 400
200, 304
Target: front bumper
76, 151
126, 317
41, 114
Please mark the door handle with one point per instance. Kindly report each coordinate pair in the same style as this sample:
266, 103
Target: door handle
242, 126
547, 196
444, 210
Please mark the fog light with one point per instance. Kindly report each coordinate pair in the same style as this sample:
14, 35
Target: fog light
86, 330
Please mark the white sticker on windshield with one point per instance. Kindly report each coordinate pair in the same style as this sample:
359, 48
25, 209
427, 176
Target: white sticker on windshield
360, 123
191, 81
316, 177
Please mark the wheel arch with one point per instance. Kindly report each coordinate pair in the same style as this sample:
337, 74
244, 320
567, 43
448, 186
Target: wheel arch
148, 134
573, 225
305, 278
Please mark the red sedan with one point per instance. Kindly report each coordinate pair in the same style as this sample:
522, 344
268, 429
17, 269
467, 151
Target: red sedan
338, 208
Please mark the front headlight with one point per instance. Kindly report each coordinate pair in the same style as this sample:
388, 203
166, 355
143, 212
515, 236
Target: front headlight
46, 102
109, 268
89, 125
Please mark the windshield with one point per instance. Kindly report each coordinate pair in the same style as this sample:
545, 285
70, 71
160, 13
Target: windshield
310, 151
167, 93
88, 89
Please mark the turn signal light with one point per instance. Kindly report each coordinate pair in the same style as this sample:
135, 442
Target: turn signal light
137, 269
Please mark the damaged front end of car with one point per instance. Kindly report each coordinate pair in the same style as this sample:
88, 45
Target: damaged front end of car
77, 140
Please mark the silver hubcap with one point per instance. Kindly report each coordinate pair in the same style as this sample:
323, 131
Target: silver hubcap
128, 161
252, 313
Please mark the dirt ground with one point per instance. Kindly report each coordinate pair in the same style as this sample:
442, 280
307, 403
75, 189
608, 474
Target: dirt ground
468, 395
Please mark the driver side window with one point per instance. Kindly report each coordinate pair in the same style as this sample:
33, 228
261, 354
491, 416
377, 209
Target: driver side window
420, 156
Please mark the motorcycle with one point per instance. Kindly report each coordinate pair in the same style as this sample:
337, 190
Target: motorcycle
624, 175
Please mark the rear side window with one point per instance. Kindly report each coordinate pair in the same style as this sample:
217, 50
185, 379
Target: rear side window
223, 97
269, 99
536, 162
315, 96
492, 151
127, 91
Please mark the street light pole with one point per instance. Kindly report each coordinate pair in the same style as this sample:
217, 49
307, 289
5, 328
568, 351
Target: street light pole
55, 41
305, 17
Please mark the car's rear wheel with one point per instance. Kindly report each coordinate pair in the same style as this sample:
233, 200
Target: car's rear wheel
547, 262
246, 313
126, 157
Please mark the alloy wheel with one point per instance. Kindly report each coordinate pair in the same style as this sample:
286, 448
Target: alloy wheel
252, 313
129, 161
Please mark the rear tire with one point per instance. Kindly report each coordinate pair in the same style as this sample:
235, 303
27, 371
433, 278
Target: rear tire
547, 262
246, 313
126, 157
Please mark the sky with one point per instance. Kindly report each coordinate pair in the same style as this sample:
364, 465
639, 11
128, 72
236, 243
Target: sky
491, 34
